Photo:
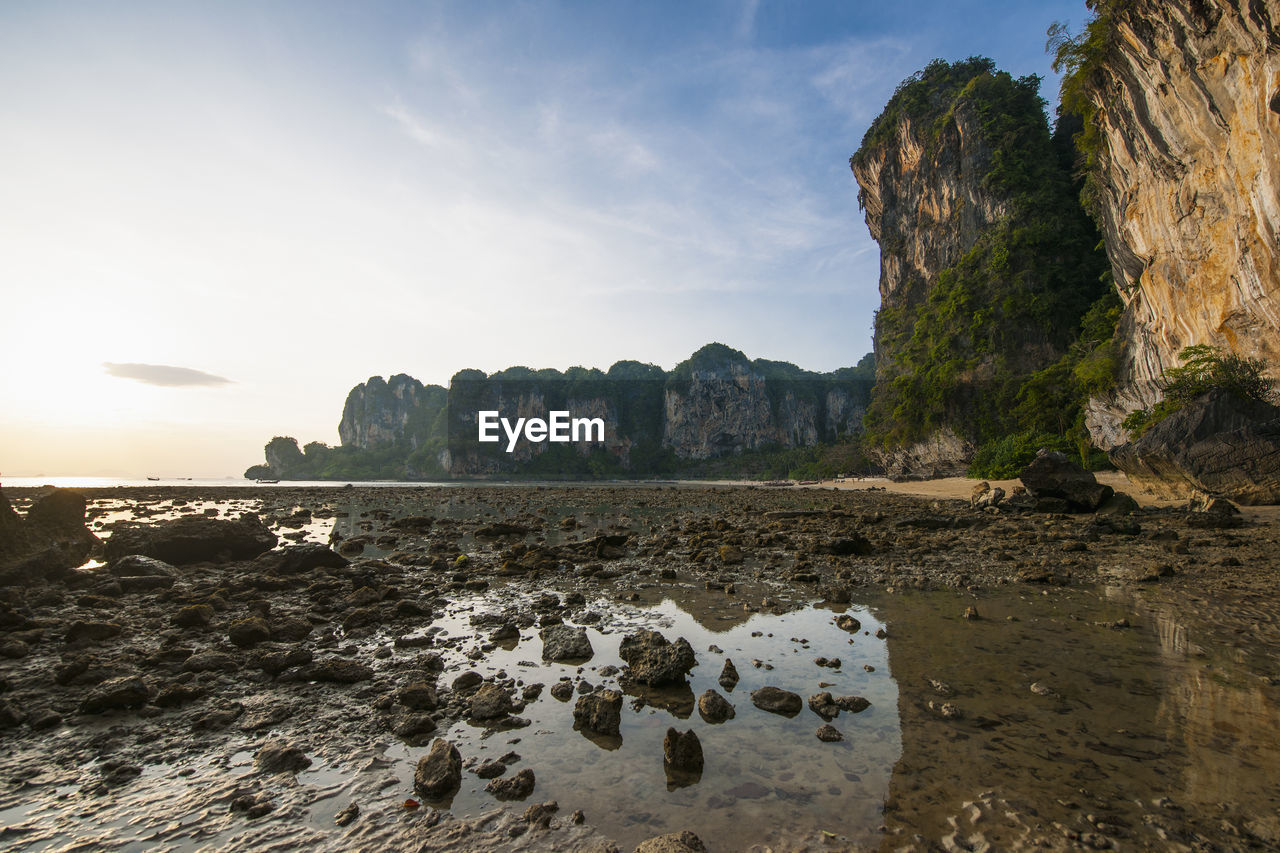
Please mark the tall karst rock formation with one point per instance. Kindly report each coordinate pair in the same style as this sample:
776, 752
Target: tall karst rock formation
987, 260
1182, 98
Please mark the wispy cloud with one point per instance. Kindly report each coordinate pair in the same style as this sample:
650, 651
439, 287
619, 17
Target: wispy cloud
164, 375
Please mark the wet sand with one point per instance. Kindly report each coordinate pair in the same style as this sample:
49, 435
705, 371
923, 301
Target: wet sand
1032, 680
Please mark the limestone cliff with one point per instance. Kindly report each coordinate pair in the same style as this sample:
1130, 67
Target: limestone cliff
717, 403
986, 259
1185, 179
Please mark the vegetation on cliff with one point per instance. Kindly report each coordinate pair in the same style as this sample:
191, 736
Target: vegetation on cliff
429, 433
1023, 316
1204, 369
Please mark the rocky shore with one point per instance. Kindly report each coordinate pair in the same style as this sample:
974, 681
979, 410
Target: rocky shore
358, 668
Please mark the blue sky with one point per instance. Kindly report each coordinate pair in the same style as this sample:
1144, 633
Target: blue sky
292, 197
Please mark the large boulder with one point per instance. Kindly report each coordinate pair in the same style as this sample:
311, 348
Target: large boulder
1218, 444
1052, 475
654, 660
49, 542
193, 539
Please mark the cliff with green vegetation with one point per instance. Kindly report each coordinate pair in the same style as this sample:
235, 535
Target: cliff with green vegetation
1180, 146
995, 308
717, 414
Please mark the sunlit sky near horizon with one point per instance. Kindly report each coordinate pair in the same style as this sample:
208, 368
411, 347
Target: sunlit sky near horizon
218, 217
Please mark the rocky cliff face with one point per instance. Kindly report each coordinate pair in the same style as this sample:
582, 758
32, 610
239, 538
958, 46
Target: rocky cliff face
985, 260
1187, 186
381, 412
717, 403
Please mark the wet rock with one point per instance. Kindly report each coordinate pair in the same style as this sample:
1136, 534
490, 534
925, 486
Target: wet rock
563, 643
731, 555
128, 691
655, 661
491, 769
10, 715
1052, 475
339, 671
829, 734
673, 842
253, 806
301, 558
136, 565
468, 680
210, 661
728, 675
682, 751
562, 690
845, 622
192, 539
540, 814
14, 649
777, 701
291, 630
854, 545
599, 712
418, 696
91, 632
348, 815
249, 631
516, 787
413, 725
852, 704
714, 708
824, 705
48, 543
278, 756
275, 662
439, 772
489, 703
193, 616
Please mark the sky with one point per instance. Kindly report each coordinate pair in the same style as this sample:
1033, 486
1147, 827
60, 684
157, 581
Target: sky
219, 217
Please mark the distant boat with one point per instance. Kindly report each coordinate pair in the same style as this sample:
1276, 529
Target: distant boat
266, 481
153, 478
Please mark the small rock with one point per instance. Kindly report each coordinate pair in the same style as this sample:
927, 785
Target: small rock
347, 815
564, 643
249, 632
829, 733
682, 751
777, 701
599, 712
728, 675
278, 756
193, 616
562, 690
128, 691
517, 787
714, 708
673, 842
489, 703
439, 772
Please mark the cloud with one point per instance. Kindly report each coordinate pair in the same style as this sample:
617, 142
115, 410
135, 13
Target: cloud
164, 375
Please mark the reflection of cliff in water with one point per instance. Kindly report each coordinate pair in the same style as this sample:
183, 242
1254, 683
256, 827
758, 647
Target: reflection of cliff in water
1068, 721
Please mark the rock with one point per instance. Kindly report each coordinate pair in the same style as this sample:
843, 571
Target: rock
249, 632
11, 715
489, 703
655, 661
418, 696
439, 772
562, 690
128, 691
275, 662
300, 558
829, 734
491, 769
192, 539
136, 565
347, 815
1217, 444
845, 622
599, 712
540, 814
852, 704
731, 555
413, 725
682, 751
468, 680
516, 787
92, 632
278, 756
714, 708
777, 701
1117, 506
48, 543
340, 671
672, 842
854, 545
824, 705
193, 616
728, 675
1052, 475
563, 643
210, 661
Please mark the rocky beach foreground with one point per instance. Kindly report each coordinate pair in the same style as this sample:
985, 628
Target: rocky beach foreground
601, 667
